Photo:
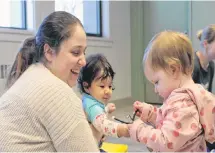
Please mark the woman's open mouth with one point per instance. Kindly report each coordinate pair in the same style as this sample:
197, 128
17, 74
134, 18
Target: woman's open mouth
75, 72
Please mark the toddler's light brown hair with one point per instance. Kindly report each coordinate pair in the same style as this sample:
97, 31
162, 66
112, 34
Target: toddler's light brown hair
170, 48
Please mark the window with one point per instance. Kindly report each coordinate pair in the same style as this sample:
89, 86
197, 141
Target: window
13, 14
88, 12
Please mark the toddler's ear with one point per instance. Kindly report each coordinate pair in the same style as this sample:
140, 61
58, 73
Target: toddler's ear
86, 86
175, 70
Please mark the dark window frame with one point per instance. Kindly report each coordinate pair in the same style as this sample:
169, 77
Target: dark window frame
99, 20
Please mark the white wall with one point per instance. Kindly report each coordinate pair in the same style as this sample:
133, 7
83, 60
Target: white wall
202, 15
116, 46
156, 16
152, 17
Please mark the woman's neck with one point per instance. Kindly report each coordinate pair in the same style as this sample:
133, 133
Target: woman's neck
203, 58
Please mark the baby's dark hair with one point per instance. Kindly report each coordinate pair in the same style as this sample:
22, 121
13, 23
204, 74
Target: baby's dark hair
95, 64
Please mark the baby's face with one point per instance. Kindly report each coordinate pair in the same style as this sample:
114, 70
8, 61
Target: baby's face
164, 82
101, 89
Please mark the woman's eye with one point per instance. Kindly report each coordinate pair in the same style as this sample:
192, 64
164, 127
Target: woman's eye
102, 86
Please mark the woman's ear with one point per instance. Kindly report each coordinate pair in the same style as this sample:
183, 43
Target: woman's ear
205, 44
48, 53
86, 87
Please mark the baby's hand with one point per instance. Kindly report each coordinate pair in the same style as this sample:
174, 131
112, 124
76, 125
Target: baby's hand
111, 107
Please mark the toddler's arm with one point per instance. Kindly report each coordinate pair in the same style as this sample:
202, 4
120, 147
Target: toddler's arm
178, 127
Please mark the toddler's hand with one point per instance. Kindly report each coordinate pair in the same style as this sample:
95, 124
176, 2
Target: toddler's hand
144, 110
138, 106
111, 107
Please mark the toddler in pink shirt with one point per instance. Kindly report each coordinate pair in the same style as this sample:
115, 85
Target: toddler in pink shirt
186, 120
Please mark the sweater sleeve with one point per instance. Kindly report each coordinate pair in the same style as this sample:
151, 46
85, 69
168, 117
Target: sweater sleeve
62, 114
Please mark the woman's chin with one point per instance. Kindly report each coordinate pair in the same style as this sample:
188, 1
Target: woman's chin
72, 83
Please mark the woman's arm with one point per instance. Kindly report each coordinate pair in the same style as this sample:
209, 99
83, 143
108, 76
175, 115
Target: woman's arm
63, 117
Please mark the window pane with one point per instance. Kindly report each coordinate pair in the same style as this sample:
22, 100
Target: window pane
12, 13
30, 14
88, 12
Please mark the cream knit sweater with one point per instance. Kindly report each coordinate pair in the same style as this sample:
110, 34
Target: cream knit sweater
42, 113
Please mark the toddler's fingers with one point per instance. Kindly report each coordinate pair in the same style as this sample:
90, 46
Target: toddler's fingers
137, 103
138, 114
137, 107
